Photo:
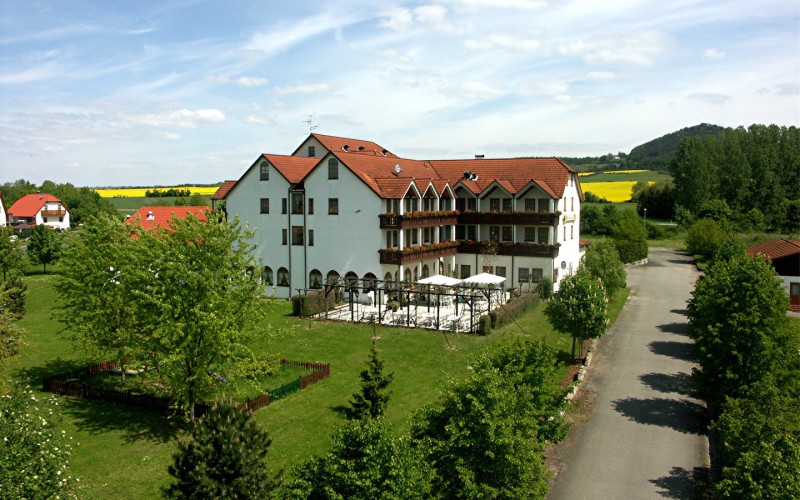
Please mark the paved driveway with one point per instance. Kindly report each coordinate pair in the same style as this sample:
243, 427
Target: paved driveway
645, 438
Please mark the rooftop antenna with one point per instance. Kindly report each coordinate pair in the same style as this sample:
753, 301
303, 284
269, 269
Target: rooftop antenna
312, 124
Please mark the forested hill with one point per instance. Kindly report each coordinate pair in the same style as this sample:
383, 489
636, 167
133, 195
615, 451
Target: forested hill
658, 153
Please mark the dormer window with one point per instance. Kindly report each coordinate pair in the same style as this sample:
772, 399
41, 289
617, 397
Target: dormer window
312, 151
264, 171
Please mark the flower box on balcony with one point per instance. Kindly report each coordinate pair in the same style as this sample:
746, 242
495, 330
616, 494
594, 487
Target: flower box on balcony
529, 218
418, 219
516, 249
418, 253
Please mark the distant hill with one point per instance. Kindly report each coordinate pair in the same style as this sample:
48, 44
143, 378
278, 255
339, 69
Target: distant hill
658, 153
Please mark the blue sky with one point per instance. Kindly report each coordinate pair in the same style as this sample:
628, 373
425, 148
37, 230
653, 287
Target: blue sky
101, 93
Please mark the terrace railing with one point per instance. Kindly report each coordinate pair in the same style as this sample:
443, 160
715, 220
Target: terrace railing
418, 253
510, 218
515, 249
418, 219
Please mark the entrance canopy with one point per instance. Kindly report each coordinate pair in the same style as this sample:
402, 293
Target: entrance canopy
439, 279
483, 280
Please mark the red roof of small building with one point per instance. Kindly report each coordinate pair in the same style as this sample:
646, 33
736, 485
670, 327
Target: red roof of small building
222, 191
776, 249
30, 204
154, 217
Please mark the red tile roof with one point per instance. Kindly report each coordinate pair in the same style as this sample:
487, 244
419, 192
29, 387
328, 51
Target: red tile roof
776, 249
371, 168
222, 191
294, 168
161, 216
358, 146
30, 204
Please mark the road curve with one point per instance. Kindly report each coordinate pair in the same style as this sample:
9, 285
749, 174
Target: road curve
645, 437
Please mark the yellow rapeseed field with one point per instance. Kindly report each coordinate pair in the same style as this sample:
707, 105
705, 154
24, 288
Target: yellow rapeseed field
140, 192
631, 171
612, 191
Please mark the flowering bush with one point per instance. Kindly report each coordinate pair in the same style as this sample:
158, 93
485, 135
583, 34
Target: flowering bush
34, 456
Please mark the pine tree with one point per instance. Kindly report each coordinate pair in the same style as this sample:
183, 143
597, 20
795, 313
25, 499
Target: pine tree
372, 400
225, 458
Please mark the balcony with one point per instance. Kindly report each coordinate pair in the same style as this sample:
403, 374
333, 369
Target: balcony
419, 253
418, 219
510, 218
516, 249
58, 212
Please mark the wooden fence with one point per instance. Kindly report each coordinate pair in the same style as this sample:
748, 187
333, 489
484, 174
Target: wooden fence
71, 384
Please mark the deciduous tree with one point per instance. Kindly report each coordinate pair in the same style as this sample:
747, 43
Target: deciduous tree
630, 237
603, 262
44, 246
579, 308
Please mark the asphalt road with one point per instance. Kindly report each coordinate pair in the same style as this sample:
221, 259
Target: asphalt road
645, 437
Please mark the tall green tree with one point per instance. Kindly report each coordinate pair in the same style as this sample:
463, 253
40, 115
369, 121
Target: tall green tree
10, 256
365, 462
694, 174
603, 262
13, 298
630, 237
226, 457
44, 246
371, 401
736, 315
96, 286
579, 308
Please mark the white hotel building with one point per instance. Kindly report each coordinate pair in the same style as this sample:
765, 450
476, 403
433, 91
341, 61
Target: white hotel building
350, 208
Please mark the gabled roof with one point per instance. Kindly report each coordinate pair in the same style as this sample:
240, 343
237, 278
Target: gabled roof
346, 145
371, 168
776, 249
30, 204
158, 217
222, 191
293, 168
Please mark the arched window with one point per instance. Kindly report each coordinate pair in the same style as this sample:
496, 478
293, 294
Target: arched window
425, 272
283, 277
416, 274
332, 278
315, 279
333, 169
369, 282
266, 276
407, 276
388, 281
351, 278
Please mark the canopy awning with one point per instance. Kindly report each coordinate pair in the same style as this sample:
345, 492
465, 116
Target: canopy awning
483, 279
439, 279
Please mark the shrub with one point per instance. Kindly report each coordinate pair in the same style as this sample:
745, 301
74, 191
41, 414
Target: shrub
705, 237
654, 232
512, 310
603, 262
485, 325
13, 296
545, 288
630, 237
313, 302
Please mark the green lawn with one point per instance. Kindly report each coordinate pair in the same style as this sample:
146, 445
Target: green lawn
650, 175
131, 204
124, 452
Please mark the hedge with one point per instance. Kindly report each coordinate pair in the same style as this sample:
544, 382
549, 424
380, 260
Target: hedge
314, 302
511, 310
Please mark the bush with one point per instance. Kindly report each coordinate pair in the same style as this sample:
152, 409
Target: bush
654, 232
630, 237
313, 302
705, 237
545, 288
485, 325
512, 310
13, 296
603, 262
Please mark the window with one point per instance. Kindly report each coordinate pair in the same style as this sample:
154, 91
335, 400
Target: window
312, 152
472, 204
333, 169
537, 274
494, 232
266, 276
544, 205
311, 206
427, 234
311, 237
494, 204
284, 236
565, 233
297, 235
264, 205
572, 232
297, 203
461, 232
507, 233
391, 239
573, 204
523, 275
472, 233
488, 269
543, 235
500, 271
465, 271
530, 234
506, 204
315, 279
461, 204
283, 205
264, 170
530, 204
333, 206
283, 277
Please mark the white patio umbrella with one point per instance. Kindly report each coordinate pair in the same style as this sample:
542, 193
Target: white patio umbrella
483, 280
439, 279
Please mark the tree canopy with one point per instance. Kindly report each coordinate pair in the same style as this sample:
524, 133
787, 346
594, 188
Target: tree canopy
579, 308
603, 262
44, 246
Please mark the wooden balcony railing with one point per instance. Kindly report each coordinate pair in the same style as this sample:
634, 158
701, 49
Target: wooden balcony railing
58, 212
418, 253
516, 249
510, 218
418, 219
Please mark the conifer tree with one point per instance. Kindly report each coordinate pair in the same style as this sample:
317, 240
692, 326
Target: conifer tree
372, 400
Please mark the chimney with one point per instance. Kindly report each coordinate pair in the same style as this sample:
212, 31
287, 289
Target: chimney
479, 157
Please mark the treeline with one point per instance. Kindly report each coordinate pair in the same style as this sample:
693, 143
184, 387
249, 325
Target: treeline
659, 153
751, 170
82, 202
171, 192
749, 375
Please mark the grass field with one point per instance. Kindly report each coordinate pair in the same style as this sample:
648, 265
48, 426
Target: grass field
139, 192
132, 204
124, 452
617, 185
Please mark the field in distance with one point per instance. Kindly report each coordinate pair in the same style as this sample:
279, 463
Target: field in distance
139, 192
616, 185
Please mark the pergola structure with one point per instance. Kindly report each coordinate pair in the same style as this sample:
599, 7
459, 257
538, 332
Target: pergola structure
437, 302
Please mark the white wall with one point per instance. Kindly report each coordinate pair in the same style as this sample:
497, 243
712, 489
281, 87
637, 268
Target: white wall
3, 216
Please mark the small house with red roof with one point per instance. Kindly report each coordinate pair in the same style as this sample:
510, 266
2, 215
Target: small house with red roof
3, 216
39, 209
152, 217
350, 208
785, 257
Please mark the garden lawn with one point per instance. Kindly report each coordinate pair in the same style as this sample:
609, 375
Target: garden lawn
124, 452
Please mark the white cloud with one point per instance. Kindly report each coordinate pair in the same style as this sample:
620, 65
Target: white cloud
303, 88
714, 54
508, 4
782, 89
251, 81
639, 49
546, 87
480, 90
432, 16
397, 18
505, 41
601, 75
183, 118
709, 97
172, 136
283, 37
